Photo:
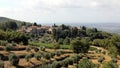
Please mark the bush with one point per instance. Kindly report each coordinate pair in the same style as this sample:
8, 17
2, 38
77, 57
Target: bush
42, 48
85, 63
36, 49
45, 66
114, 60
109, 65
52, 55
75, 58
58, 53
7, 48
101, 59
64, 63
47, 56
3, 43
13, 43
1, 64
79, 56
70, 61
14, 60
80, 46
56, 64
56, 46
60, 41
113, 51
66, 41
27, 57
103, 52
37, 56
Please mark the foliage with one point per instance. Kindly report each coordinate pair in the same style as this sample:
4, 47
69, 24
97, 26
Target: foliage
85, 63
101, 59
3, 43
114, 60
65, 63
113, 52
47, 56
9, 25
38, 56
66, 41
7, 48
110, 65
56, 46
36, 49
56, 64
92, 48
27, 57
60, 41
14, 60
13, 36
70, 61
13, 43
45, 66
58, 53
80, 46
50, 45
42, 48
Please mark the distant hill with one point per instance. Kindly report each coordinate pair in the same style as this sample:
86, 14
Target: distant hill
19, 23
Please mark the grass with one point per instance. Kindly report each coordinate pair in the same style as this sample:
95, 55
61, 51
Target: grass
93, 49
48, 45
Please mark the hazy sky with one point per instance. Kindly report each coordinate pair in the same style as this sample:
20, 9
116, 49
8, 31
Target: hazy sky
62, 11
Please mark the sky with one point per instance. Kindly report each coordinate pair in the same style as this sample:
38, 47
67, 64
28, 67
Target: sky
62, 11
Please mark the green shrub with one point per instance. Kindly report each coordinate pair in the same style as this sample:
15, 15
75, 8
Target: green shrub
56, 46
92, 48
42, 48
45, 66
7, 48
1, 64
27, 57
85, 63
114, 60
62, 52
80, 56
58, 53
103, 52
3, 43
101, 59
60, 41
14, 60
37, 56
109, 65
52, 55
36, 49
47, 56
66, 41
13, 43
64, 63
75, 58
56, 64
70, 61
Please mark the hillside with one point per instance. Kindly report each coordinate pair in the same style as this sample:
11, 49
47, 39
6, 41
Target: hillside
5, 19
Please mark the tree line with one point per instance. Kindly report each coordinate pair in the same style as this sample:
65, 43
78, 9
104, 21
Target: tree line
13, 36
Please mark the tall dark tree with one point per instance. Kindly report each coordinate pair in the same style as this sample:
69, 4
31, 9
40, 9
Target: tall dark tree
35, 24
80, 46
